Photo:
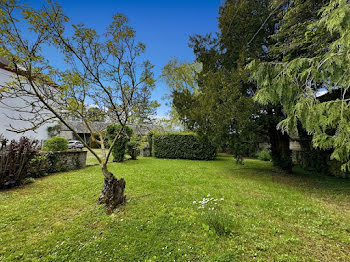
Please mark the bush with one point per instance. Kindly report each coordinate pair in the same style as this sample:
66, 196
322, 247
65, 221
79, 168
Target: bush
133, 149
56, 144
182, 146
119, 148
15, 161
38, 166
264, 155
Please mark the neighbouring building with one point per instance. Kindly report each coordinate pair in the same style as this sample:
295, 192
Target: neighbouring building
8, 114
82, 130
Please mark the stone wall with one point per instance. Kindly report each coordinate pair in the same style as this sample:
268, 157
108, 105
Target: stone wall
66, 160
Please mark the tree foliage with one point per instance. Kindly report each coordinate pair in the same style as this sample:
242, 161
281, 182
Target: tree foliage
133, 148
106, 70
119, 148
296, 80
221, 106
180, 77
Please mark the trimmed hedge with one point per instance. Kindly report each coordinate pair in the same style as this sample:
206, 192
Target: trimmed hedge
182, 146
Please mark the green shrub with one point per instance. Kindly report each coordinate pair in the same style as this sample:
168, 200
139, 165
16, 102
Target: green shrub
119, 148
56, 144
133, 149
182, 146
38, 166
264, 155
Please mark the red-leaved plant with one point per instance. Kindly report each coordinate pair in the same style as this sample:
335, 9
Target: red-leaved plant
15, 160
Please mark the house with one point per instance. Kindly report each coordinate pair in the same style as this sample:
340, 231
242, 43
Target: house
83, 132
8, 113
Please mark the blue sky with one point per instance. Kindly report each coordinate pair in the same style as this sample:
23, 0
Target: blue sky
164, 26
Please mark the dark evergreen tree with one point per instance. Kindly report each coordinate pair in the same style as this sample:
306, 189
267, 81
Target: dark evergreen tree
223, 108
310, 56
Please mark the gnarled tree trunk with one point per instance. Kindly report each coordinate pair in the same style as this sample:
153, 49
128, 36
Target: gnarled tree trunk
112, 194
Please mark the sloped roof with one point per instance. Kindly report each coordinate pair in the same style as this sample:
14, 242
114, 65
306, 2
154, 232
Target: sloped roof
80, 127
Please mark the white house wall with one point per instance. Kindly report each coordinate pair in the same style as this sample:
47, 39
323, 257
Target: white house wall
67, 134
5, 122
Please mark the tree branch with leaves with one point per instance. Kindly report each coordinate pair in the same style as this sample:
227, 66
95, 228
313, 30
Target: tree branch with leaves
103, 70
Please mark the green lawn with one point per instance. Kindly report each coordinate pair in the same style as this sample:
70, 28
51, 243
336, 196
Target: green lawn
91, 159
265, 215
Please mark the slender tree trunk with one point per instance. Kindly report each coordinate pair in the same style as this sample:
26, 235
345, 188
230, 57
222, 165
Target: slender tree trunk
112, 194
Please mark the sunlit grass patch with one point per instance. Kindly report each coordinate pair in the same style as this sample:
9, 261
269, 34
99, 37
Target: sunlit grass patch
261, 214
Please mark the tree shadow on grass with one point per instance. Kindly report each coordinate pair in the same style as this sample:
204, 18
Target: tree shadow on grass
318, 184
321, 180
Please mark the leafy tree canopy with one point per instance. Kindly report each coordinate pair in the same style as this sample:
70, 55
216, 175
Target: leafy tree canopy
221, 105
318, 60
106, 70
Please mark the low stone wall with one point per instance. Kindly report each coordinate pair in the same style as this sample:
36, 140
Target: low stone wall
65, 160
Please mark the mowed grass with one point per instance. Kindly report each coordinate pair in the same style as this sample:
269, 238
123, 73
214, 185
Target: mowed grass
270, 216
91, 159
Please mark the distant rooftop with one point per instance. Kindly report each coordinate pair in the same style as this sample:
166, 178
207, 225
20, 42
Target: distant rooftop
81, 128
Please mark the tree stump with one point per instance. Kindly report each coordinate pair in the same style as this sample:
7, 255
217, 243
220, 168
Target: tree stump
112, 194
